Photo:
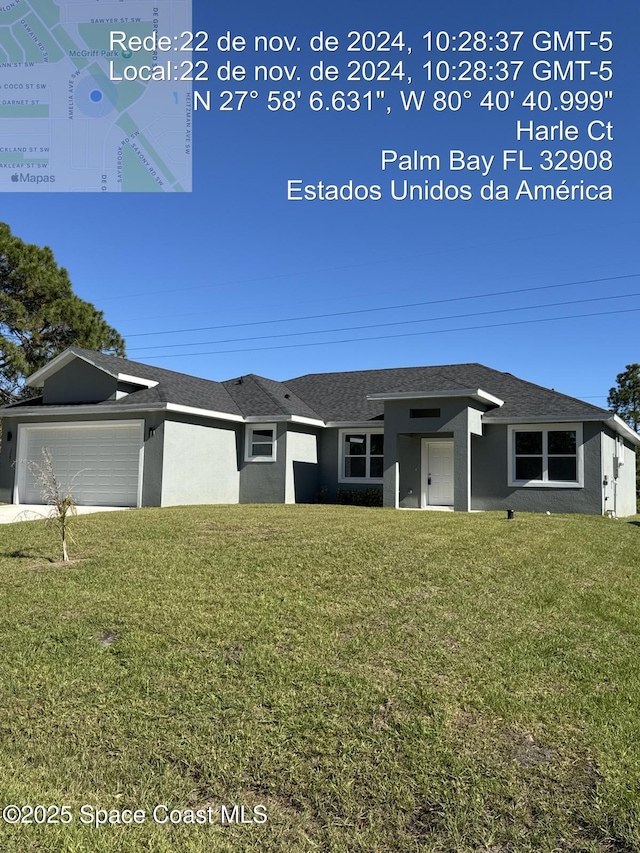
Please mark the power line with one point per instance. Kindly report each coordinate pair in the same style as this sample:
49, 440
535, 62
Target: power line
385, 308
403, 335
457, 249
396, 323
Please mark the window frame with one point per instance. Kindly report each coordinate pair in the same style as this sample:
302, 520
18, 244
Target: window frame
249, 442
545, 482
342, 456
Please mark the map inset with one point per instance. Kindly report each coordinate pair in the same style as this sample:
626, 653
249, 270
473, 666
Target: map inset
68, 122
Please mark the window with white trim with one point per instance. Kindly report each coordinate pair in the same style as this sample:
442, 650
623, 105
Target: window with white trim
260, 445
361, 456
546, 455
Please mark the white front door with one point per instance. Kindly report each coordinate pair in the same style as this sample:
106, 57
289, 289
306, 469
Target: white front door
437, 473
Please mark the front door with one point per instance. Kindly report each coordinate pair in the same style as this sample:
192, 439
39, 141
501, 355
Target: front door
437, 473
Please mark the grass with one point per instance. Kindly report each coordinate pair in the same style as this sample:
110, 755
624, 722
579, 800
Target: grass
379, 681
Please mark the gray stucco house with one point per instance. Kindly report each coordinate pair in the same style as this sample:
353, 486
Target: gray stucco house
459, 436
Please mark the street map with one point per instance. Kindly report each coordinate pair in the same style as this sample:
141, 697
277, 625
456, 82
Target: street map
68, 123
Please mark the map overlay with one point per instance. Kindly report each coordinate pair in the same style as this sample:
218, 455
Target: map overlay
70, 120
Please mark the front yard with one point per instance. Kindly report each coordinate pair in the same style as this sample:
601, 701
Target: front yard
370, 680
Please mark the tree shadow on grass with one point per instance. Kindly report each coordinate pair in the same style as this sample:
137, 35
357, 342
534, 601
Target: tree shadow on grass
45, 560
28, 554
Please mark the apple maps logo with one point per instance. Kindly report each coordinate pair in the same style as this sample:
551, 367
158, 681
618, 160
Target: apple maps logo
27, 178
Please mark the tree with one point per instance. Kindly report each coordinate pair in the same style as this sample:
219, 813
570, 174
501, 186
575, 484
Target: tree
624, 399
40, 315
63, 507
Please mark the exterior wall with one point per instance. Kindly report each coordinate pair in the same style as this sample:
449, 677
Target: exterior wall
327, 483
7, 459
410, 467
627, 492
176, 469
610, 488
619, 495
152, 457
328, 464
301, 483
459, 417
264, 482
199, 464
203, 462
78, 382
489, 477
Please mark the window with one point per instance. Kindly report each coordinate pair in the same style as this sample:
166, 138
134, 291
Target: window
424, 413
545, 455
361, 456
261, 443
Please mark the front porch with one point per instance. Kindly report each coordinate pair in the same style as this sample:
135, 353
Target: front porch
427, 453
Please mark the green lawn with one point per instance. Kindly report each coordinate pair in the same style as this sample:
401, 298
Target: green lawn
379, 681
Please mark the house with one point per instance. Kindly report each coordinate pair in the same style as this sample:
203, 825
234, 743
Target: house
459, 436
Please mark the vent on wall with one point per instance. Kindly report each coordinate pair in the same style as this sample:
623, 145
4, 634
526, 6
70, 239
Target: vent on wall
424, 413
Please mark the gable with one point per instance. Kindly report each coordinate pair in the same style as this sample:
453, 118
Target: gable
80, 376
79, 382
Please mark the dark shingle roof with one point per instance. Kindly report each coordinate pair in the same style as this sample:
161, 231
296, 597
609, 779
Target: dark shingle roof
337, 396
343, 396
178, 388
257, 396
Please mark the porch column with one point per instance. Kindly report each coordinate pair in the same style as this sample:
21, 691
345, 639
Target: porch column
391, 481
462, 468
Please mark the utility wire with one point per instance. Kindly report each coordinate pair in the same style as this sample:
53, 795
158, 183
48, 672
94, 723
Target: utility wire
457, 249
385, 308
386, 325
403, 335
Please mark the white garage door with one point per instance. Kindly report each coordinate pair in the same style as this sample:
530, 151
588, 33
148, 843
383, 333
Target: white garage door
99, 464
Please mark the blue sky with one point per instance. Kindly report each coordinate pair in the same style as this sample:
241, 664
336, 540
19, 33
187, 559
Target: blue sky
238, 263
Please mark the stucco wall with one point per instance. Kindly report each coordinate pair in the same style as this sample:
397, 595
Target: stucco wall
78, 382
173, 474
459, 417
152, 459
200, 465
627, 496
409, 464
7, 459
619, 494
328, 463
489, 477
264, 482
301, 483
152, 453
328, 466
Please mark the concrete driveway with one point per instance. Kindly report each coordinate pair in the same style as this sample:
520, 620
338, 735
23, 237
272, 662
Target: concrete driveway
10, 513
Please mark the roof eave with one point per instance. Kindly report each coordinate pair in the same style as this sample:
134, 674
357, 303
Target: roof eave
475, 394
294, 419
355, 424
110, 409
134, 380
616, 423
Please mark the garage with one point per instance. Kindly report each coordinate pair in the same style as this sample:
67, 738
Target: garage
98, 463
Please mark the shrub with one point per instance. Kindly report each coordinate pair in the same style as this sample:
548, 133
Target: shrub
370, 496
